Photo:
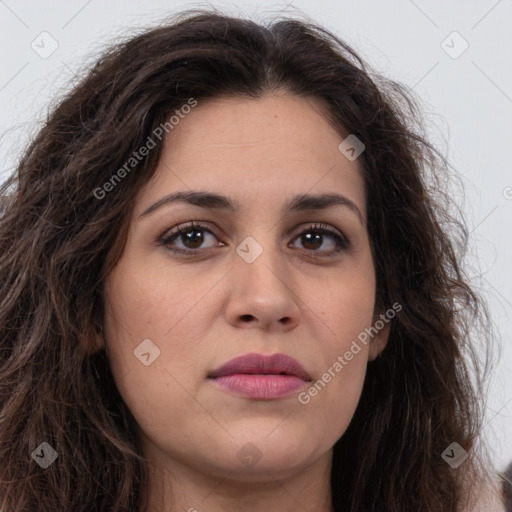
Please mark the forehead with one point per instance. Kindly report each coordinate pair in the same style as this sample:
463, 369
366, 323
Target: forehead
262, 149
242, 126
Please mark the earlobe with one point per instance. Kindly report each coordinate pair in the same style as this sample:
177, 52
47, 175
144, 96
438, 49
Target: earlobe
97, 343
379, 342
100, 342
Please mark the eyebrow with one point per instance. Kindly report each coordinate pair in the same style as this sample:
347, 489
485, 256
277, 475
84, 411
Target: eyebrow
209, 200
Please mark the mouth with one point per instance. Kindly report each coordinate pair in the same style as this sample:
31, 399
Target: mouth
262, 377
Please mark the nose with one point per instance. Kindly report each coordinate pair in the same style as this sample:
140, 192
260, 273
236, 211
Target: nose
262, 294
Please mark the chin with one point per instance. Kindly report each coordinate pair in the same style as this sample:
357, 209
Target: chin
278, 465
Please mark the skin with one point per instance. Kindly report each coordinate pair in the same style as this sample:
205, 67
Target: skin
203, 310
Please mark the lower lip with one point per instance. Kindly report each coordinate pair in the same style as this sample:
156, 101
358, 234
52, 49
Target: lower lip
266, 387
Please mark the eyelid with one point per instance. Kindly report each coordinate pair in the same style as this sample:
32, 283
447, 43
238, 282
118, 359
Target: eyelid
169, 234
314, 226
190, 225
342, 241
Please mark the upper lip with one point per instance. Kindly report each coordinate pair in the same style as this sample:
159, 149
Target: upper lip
274, 364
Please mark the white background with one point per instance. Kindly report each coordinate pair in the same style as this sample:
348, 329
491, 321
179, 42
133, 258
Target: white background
467, 105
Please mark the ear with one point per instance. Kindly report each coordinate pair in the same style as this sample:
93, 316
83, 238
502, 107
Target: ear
97, 343
380, 340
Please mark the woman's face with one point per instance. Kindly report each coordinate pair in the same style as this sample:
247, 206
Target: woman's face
256, 275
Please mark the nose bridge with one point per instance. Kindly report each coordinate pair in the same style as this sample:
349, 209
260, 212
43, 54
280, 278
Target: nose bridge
260, 258
261, 289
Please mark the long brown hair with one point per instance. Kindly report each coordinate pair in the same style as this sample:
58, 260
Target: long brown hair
58, 241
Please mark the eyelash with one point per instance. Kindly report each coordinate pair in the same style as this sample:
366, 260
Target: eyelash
168, 237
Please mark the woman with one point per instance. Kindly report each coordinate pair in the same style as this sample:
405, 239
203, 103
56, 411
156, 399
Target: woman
231, 281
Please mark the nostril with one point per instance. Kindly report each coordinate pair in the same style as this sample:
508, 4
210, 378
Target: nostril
246, 318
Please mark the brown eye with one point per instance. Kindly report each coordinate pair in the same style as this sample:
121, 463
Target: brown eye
188, 238
321, 236
193, 237
312, 240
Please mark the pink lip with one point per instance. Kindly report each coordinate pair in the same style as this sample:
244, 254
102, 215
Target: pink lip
259, 376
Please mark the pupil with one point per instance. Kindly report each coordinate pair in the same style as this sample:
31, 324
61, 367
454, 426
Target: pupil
195, 237
312, 239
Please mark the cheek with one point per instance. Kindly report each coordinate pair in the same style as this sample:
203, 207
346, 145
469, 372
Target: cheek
152, 312
151, 374
346, 311
149, 302
334, 393
347, 308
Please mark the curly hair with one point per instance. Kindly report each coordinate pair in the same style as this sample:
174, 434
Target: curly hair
58, 242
